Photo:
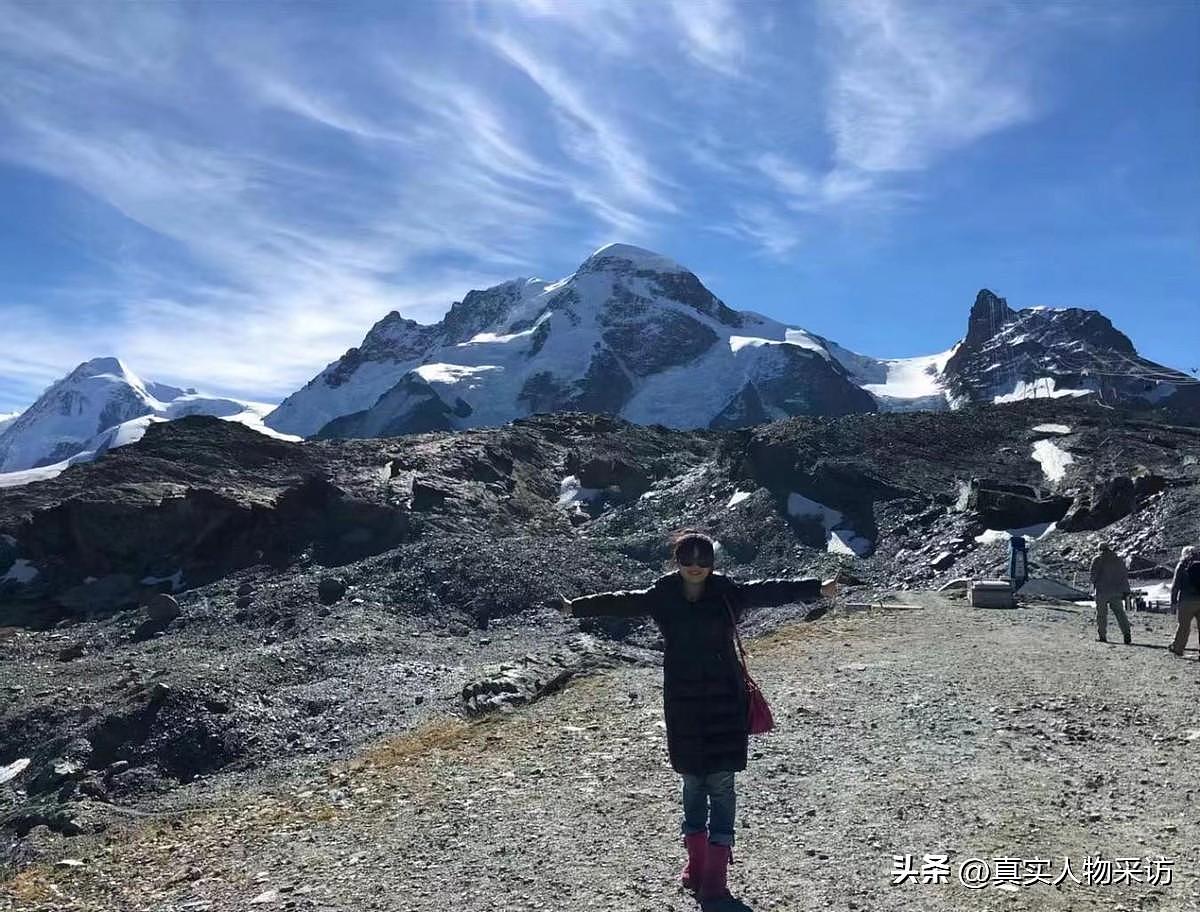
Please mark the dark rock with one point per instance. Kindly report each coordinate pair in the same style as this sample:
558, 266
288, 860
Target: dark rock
117, 590
331, 589
245, 589
8, 553
533, 676
1007, 505
244, 602
1109, 501
69, 764
71, 652
162, 608
943, 561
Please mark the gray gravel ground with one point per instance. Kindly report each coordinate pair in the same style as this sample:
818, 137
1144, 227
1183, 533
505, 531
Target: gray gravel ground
936, 729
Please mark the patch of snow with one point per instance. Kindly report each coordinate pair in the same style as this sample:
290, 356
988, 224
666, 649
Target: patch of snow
793, 337
912, 378
570, 491
253, 419
131, 431
20, 572
43, 473
1039, 388
799, 505
800, 338
737, 498
486, 337
1053, 459
838, 539
847, 542
175, 579
1052, 429
451, 373
13, 769
1036, 532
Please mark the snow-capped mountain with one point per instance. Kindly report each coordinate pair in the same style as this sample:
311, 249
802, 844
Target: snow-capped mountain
630, 333
101, 404
1008, 355
1046, 352
635, 334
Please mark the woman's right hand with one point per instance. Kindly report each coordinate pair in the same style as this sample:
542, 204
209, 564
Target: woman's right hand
829, 588
562, 604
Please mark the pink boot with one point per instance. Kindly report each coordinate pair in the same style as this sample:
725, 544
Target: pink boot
715, 869
692, 876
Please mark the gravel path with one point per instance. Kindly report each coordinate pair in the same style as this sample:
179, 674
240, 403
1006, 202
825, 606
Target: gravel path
936, 729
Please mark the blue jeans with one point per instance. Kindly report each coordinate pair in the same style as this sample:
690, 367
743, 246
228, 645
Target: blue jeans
709, 802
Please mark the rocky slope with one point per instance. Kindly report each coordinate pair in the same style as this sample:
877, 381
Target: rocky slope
320, 585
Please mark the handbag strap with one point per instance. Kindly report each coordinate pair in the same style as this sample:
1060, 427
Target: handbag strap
737, 637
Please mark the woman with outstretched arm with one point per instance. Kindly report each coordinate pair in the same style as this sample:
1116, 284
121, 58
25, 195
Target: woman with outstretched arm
704, 694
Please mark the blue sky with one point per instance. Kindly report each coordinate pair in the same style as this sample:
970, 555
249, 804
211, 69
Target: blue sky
229, 195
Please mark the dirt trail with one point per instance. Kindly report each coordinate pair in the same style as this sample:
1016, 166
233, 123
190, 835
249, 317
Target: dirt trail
938, 729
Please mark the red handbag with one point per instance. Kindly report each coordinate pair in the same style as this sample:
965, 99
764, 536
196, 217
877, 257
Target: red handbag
760, 719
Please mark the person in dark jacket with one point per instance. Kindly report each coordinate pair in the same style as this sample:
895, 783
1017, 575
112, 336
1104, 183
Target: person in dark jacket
704, 693
1185, 596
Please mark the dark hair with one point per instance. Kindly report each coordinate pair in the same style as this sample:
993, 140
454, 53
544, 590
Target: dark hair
691, 541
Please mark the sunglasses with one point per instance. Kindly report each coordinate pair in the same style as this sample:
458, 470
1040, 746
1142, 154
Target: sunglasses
696, 560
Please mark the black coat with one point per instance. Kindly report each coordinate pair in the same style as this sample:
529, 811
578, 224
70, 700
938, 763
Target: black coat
704, 694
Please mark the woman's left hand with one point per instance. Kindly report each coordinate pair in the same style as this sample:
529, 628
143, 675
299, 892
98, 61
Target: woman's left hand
829, 588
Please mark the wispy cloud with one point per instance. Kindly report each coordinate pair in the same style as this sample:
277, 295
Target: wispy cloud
912, 81
627, 182
771, 232
712, 33
271, 192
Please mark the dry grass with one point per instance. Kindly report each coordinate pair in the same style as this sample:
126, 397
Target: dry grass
33, 885
442, 734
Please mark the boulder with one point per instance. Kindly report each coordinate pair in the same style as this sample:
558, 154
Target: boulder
1110, 500
943, 561
331, 589
1006, 505
162, 608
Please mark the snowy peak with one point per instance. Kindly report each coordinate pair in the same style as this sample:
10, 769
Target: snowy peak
100, 404
626, 258
96, 395
1047, 352
633, 333
988, 314
630, 332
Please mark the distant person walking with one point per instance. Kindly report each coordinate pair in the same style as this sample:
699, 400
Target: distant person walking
1110, 581
1185, 596
704, 694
